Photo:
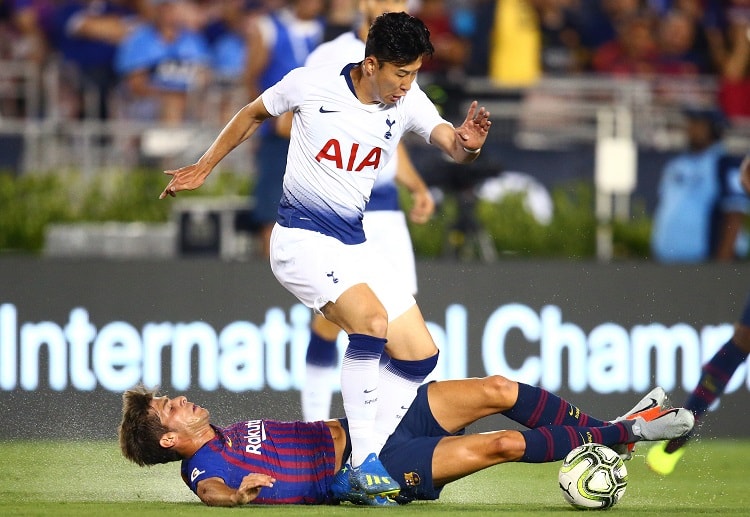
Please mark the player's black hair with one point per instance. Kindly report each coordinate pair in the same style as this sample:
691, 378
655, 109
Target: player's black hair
398, 38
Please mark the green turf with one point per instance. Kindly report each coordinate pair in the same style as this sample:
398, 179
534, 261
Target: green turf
90, 478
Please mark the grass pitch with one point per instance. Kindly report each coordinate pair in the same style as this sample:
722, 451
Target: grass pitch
91, 478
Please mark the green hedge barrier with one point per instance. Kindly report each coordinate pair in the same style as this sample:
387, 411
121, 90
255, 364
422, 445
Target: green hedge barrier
30, 202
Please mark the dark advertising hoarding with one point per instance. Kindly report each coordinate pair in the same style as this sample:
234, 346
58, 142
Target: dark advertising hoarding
75, 334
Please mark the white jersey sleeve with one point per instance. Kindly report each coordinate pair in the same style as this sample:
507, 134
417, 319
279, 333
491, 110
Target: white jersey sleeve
421, 114
284, 95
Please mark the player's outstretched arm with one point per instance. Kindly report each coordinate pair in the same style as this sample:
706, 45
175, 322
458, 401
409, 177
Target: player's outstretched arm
214, 492
745, 174
464, 142
240, 128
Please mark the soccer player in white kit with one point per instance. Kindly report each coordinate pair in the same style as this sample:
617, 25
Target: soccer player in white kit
346, 126
384, 222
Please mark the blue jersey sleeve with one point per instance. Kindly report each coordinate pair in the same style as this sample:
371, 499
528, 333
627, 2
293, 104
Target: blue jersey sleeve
171, 65
141, 50
204, 464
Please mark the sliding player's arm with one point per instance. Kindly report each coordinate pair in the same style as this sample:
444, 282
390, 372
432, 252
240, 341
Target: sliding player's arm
214, 492
240, 128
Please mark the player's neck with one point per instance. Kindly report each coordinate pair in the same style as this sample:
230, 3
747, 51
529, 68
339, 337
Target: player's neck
362, 87
190, 446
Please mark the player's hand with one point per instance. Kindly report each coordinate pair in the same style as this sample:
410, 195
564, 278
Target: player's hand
251, 486
189, 177
473, 132
423, 207
745, 174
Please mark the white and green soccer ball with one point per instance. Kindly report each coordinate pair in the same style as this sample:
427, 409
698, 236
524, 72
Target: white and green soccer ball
593, 476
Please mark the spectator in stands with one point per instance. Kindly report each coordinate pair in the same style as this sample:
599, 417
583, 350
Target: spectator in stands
451, 50
341, 17
227, 36
23, 38
160, 62
87, 34
733, 58
599, 19
30, 19
701, 204
562, 49
515, 44
678, 46
634, 51
279, 42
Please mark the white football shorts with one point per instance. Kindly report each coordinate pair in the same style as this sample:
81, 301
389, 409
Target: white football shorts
388, 235
317, 269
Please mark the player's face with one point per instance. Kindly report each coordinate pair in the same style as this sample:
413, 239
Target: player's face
371, 9
394, 81
179, 414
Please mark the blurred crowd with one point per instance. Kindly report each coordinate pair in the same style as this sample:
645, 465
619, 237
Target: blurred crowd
152, 52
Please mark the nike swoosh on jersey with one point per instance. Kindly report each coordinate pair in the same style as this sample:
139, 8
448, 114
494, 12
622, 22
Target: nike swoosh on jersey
323, 110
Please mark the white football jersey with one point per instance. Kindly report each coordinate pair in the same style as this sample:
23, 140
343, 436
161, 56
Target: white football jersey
344, 49
338, 145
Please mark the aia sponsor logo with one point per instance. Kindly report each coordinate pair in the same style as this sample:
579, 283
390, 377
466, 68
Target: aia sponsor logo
355, 159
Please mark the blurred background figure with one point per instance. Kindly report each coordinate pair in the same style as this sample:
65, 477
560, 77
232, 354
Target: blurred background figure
341, 16
160, 63
562, 49
732, 51
451, 48
279, 42
634, 50
701, 204
87, 34
515, 44
227, 32
678, 47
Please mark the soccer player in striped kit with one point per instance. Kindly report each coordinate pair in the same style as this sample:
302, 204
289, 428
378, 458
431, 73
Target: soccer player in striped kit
270, 462
715, 375
346, 126
384, 221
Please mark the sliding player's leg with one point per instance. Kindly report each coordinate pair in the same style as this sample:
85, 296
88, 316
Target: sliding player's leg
458, 403
458, 456
715, 375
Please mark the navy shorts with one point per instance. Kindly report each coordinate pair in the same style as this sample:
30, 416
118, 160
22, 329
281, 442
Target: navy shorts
271, 162
407, 455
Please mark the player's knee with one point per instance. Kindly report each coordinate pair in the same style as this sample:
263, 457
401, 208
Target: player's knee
508, 446
742, 337
376, 324
500, 390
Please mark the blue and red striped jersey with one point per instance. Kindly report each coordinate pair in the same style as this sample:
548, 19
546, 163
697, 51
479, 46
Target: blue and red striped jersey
300, 455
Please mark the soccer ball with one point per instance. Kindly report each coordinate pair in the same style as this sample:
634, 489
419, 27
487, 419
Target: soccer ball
593, 476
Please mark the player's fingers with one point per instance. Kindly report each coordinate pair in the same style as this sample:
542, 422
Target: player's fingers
472, 111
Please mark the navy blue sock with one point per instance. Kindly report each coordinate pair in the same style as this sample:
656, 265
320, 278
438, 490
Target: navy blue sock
745, 318
321, 352
537, 407
552, 443
715, 375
